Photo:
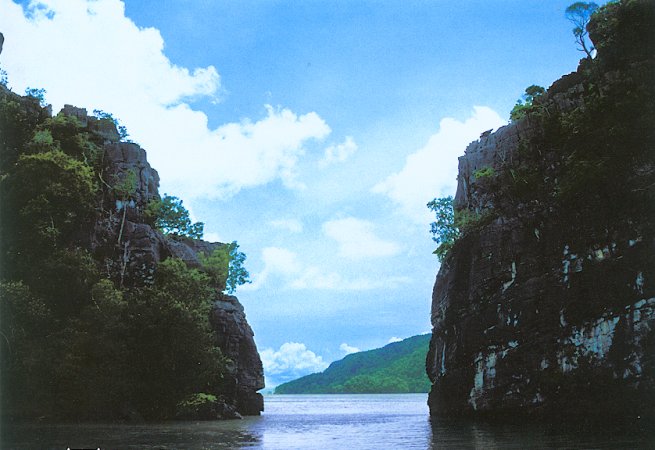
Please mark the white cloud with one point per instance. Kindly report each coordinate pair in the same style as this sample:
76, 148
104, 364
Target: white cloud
393, 339
315, 278
357, 240
293, 360
290, 225
284, 266
87, 53
432, 171
277, 261
338, 153
347, 349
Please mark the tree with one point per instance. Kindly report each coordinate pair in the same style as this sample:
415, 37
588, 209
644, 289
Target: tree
38, 94
444, 230
216, 266
237, 274
171, 217
526, 102
579, 13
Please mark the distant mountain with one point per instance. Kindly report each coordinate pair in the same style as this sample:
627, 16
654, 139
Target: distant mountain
395, 368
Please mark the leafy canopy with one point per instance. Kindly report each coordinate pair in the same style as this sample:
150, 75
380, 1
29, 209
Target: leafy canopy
171, 217
443, 229
224, 267
527, 102
579, 13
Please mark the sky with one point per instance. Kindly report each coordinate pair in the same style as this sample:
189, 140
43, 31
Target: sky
311, 132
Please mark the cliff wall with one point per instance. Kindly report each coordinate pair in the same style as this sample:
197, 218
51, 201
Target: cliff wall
546, 304
140, 247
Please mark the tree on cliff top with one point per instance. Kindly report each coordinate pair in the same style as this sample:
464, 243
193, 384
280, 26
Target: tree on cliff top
443, 229
579, 13
224, 266
171, 217
526, 102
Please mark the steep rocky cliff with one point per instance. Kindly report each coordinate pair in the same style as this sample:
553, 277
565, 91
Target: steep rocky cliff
545, 306
124, 246
140, 247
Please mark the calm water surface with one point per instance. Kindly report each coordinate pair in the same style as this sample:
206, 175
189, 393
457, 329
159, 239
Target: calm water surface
316, 422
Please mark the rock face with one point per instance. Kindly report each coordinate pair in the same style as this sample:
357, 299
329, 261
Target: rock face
235, 338
131, 249
539, 310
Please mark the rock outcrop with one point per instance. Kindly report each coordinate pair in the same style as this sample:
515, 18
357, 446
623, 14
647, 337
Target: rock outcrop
131, 249
546, 305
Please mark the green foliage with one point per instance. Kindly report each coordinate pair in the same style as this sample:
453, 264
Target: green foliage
216, 266
443, 229
171, 217
4, 80
237, 273
55, 203
225, 267
485, 172
38, 94
172, 339
17, 122
126, 184
579, 13
395, 368
526, 104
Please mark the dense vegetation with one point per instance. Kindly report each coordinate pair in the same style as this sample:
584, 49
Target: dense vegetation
77, 340
395, 368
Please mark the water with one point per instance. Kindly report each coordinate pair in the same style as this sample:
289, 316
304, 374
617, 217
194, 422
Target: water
323, 422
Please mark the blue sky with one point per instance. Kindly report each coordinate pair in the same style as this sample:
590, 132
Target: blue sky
313, 133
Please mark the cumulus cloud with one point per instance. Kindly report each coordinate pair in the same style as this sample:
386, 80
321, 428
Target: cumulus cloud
315, 278
277, 261
357, 239
284, 266
432, 170
347, 349
290, 225
338, 153
393, 339
293, 360
89, 54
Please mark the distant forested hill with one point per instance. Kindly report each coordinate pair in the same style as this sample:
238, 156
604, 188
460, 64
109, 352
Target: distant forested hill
394, 368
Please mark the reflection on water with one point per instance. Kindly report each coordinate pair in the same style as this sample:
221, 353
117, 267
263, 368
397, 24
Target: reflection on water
316, 421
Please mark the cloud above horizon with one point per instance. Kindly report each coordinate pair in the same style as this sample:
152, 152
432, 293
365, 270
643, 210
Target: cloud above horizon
348, 349
85, 44
284, 266
432, 170
357, 240
291, 361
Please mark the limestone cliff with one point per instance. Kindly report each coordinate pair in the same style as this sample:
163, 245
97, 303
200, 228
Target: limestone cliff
121, 240
132, 248
546, 304
140, 247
